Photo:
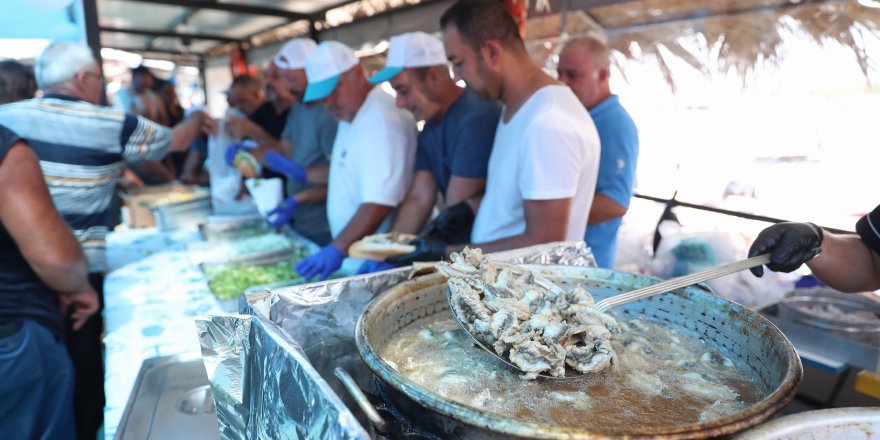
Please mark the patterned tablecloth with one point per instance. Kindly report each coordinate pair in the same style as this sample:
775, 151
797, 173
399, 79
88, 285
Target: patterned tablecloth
151, 300
132, 245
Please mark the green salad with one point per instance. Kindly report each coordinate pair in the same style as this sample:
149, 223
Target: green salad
228, 281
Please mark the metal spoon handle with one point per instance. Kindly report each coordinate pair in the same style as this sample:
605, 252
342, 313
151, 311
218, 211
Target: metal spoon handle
683, 281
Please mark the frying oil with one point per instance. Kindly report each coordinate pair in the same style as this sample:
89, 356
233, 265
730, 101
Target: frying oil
660, 378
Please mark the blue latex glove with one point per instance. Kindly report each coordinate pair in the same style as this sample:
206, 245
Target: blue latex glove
234, 148
277, 162
371, 266
322, 264
282, 213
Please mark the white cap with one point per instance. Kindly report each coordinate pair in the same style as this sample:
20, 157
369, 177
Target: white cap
413, 49
324, 66
294, 53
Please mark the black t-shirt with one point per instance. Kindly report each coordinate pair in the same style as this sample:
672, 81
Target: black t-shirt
268, 120
868, 228
22, 294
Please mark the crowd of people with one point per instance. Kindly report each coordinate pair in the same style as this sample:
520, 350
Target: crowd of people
513, 159
510, 160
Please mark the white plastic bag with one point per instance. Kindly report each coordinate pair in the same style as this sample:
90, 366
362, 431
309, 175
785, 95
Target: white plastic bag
225, 180
681, 252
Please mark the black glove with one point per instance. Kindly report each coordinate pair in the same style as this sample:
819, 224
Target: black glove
789, 244
451, 223
427, 249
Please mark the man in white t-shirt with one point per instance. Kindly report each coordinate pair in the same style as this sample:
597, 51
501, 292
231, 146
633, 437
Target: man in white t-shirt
373, 154
545, 158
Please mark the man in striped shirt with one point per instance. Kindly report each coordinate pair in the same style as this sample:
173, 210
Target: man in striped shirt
846, 262
83, 149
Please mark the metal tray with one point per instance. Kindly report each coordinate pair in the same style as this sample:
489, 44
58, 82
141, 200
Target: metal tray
835, 423
184, 214
231, 305
171, 400
204, 254
825, 349
794, 307
234, 229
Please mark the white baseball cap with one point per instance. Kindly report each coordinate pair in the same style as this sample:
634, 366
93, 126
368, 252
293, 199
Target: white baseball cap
324, 66
413, 49
294, 53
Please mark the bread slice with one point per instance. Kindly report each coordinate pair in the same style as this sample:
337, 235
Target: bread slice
247, 165
382, 246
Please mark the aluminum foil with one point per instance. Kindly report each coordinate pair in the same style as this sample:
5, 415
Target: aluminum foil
309, 330
264, 387
566, 253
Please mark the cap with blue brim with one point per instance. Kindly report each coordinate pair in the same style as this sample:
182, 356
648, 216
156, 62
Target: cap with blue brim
321, 89
413, 49
324, 66
386, 74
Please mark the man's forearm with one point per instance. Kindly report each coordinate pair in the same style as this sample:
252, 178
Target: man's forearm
846, 264
318, 174
366, 220
515, 242
266, 142
62, 273
412, 216
417, 205
605, 208
263, 138
267, 145
474, 202
192, 168
312, 195
184, 133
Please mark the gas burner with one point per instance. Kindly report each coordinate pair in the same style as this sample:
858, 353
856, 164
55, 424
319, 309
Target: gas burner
402, 428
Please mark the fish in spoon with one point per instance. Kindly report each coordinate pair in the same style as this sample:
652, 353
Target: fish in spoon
526, 321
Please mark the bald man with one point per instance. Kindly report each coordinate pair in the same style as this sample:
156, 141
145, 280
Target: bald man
584, 65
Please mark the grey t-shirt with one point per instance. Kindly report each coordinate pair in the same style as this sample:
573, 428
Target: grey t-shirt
311, 131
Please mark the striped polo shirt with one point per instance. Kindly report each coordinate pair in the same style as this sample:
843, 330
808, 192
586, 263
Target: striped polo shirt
868, 228
82, 149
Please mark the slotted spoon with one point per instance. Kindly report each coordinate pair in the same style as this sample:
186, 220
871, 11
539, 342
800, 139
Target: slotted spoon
617, 300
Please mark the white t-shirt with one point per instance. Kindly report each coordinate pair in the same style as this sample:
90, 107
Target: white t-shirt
372, 159
549, 150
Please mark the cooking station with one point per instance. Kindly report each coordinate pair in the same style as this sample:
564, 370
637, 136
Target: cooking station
282, 365
297, 339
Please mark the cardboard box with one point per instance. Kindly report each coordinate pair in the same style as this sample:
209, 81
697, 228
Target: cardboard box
139, 202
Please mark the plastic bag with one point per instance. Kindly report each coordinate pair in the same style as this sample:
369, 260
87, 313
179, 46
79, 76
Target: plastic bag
225, 180
683, 252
